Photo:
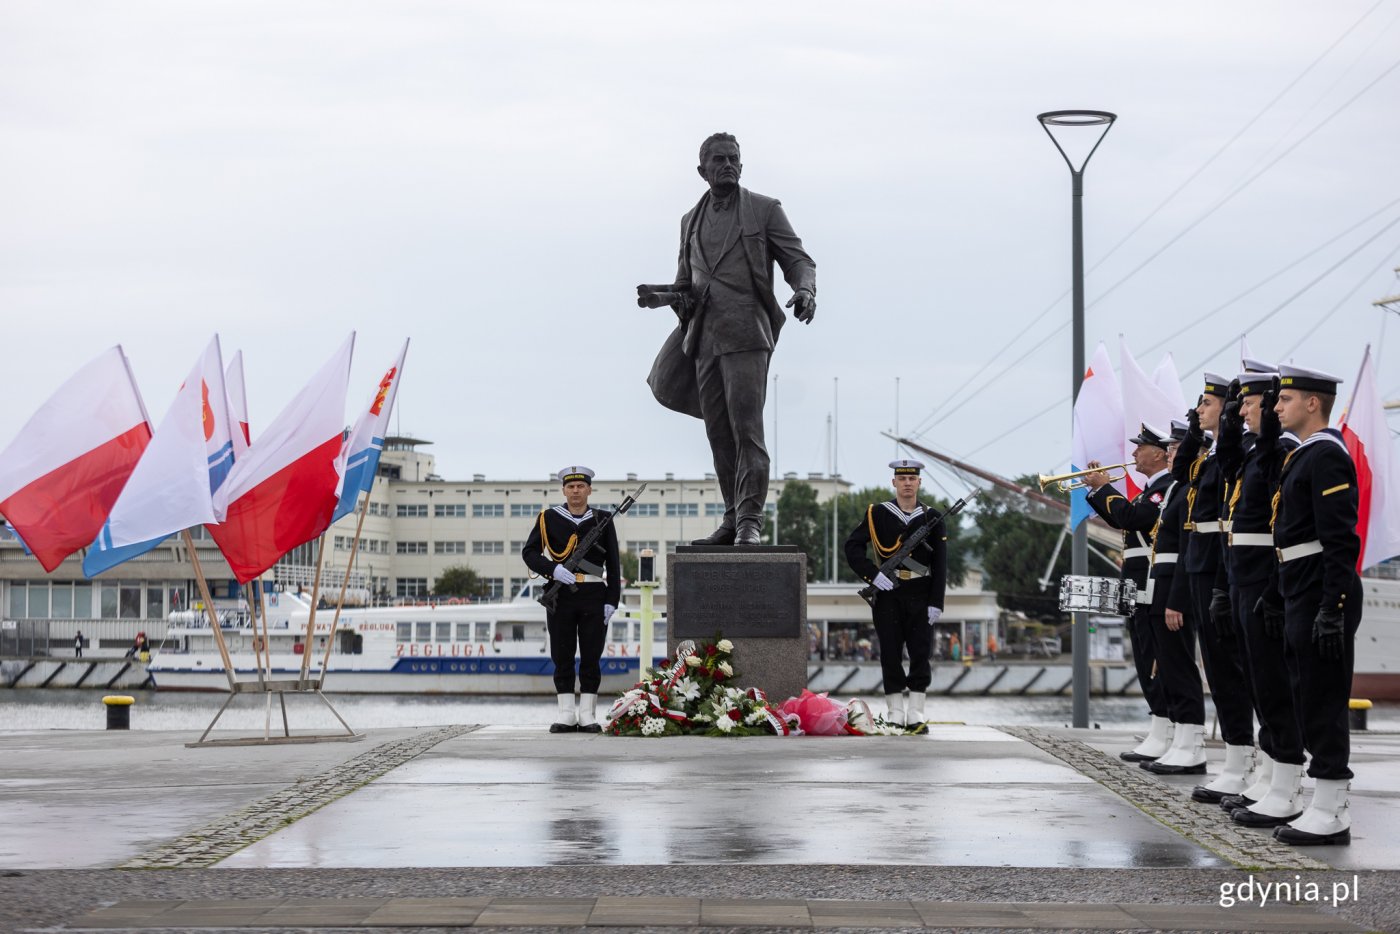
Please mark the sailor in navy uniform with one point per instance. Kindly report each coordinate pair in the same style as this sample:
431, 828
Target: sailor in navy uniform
1173, 636
1137, 518
581, 616
906, 608
1320, 593
1273, 796
1206, 596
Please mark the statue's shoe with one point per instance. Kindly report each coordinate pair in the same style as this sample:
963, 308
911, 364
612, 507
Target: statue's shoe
724, 535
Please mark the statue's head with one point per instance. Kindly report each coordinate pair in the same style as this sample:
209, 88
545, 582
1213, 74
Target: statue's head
719, 162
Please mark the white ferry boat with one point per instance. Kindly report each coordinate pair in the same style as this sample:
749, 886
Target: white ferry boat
483, 648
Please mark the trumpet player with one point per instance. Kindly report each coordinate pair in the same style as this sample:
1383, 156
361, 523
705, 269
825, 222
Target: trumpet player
1137, 518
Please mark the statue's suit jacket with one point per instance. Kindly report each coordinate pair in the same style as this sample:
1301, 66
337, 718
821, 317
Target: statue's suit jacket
765, 236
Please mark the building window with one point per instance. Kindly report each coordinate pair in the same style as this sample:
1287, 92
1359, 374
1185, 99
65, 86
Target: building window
62, 597
770, 508
517, 545
494, 586
413, 510
412, 548
525, 510
644, 509
449, 548
672, 546
516, 583
450, 510
155, 603
675, 510
488, 510
82, 601
129, 602
714, 509
488, 548
639, 546
408, 586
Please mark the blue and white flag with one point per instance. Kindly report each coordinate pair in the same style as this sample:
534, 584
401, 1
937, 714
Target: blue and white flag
173, 485
1098, 428
366, 440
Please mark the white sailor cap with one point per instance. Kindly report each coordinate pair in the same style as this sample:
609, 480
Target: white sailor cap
906, 466
1253, 365
575, 472
1296, 377
1216, 385
1254, 382
1150, 435
1179, 429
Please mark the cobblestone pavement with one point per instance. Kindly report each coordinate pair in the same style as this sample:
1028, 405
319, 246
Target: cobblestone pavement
228, 834
1207, 825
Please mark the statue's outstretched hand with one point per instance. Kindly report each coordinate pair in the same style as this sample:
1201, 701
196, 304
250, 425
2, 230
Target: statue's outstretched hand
806, 304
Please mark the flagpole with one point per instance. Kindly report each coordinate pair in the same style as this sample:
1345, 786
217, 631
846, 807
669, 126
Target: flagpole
262, 603
254, 614
340, 601
209, 608
311, 617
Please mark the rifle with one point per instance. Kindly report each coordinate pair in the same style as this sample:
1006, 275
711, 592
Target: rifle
549, 596
869, 592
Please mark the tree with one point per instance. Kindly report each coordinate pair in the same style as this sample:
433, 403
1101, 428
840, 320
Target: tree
630, 565
1014, 550
460, 581
800, 522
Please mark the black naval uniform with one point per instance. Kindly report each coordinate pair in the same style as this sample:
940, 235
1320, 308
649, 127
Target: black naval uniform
901, 614
1137, 519
1252, 564
1203, 563
578, 617
1176, 651
1315, 532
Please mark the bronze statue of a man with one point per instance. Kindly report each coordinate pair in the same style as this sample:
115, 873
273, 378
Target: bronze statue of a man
714, 366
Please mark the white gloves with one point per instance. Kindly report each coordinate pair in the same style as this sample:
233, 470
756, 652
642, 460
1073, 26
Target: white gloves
882, 582
933, 614
608, 611
563, 576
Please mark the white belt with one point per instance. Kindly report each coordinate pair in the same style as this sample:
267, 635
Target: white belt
1136, 553
905, 574
589, 579
1265, 539
1294, 552
1165, 557
1211, 527
1144, 596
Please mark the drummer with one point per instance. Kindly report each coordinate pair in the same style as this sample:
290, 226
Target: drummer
1137, 518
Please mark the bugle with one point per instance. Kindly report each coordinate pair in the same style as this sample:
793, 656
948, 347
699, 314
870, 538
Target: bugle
1073, 481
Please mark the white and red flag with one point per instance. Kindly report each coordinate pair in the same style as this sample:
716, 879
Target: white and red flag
66, 467
1144, 403
366, 439
173, 486
1098, 427
1166, 379
283, 492
1367, 437
238, 404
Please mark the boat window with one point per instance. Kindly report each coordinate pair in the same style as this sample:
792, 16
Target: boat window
405, 632
619, 632
483, 632
464, 632
424, 632
517, 632
658, 632
444, 632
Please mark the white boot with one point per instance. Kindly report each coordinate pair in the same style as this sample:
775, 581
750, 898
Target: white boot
1261, 779
1154, 745
1280, 804
894, 709
1187, 755
1326, 822
588, 714
567, 719
1233, 778
916, 722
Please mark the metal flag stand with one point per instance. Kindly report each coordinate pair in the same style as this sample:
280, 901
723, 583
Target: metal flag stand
264, 684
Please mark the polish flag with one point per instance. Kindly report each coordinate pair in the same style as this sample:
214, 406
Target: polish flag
238, 404
172, 487
65, 468
1367, 437
1143, 402
366, 440
283, 492
1098, 427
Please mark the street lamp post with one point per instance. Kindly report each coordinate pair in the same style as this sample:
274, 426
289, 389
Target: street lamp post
1073, 120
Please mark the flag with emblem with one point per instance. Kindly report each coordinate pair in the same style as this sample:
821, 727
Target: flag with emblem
366, 439
283, 492
63, 471
173, 485
1368, 440
1098, 428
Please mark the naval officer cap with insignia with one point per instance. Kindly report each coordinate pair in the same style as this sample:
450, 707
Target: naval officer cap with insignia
1179, 428
1153, 437
1255, 365
570, 474
906, 467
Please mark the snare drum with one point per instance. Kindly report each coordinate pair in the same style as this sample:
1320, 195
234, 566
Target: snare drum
1079, 593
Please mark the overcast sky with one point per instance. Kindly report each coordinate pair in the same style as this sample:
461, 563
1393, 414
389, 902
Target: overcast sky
492, 181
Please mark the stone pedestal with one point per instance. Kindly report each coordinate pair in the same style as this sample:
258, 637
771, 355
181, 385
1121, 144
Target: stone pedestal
756, 596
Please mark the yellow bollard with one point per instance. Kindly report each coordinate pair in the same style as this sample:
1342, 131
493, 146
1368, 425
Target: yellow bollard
118, 711
1358, 708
